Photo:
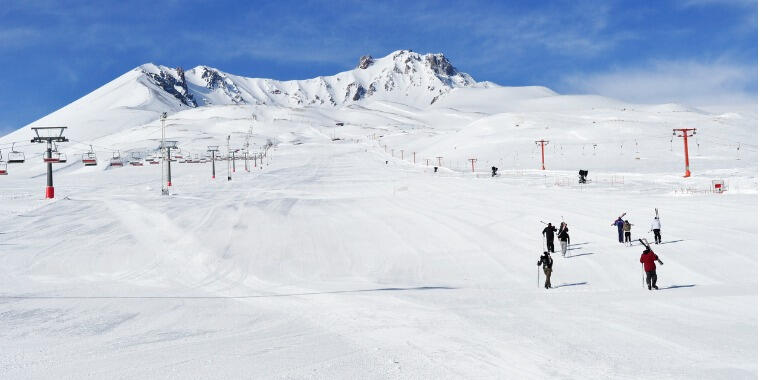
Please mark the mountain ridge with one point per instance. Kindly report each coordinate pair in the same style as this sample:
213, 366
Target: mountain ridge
420, 79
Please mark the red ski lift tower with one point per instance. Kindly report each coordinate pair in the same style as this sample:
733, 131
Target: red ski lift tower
543, 144
213, 149
685, 133
49, 135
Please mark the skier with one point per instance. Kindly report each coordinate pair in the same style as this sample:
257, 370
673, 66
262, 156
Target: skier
564, 237
549, 233
647, 259
619, 223
548, 262
656, 226
627, 230
494, 169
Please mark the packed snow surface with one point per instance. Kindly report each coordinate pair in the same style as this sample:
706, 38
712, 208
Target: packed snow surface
334, 257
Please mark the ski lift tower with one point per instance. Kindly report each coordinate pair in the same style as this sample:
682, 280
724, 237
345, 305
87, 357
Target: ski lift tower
229, 175
164, 189
167, 146
49, 135
213, 149
685, 133
543, 143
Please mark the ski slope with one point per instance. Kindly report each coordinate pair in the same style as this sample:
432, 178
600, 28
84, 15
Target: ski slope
330, 263
338, 258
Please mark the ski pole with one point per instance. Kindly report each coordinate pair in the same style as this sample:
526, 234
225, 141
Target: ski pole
642, 276
538, 279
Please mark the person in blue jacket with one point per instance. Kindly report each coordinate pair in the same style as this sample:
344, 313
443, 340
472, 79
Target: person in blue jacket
619, 223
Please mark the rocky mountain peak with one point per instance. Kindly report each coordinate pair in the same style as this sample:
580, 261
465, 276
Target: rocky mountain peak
365, 61
175, 86
440, 64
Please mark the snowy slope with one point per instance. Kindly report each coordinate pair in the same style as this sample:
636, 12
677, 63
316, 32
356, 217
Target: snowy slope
328, 263
338, 258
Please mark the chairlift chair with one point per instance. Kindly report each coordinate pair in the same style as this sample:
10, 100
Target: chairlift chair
116, 160
136, 160
54, 157
3, 165
89, 158
155, 159
60, 156
15, 157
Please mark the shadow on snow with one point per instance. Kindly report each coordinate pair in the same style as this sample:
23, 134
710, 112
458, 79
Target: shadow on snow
580, 254
573, 284
672, 241
678, 286
238, 297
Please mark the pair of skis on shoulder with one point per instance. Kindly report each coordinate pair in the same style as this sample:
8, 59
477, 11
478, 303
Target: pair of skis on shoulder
656, 213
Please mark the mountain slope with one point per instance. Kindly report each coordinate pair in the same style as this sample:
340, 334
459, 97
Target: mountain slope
142, 94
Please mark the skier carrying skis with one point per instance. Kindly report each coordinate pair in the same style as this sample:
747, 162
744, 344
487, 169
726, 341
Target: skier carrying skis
627, 230
619, 223
656, 226
564, 237
647, 259
548, 262
549, 233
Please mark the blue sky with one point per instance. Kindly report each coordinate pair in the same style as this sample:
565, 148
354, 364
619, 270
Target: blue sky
697, 52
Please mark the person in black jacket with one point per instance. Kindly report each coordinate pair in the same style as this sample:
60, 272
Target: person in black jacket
548, 262
549, 233
564, 237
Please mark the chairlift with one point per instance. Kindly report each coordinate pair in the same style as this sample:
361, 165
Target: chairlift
136, 159
54, 158
116, 160
3, 165
15, 157
60, 156
155, 159
89, 158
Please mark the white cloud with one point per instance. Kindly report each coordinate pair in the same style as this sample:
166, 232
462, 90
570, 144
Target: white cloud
699, 84
17, 37
702, 3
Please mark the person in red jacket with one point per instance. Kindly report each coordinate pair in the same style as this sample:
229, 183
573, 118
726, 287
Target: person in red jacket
647, 259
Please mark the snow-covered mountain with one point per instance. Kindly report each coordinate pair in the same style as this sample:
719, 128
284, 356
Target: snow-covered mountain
141, 94
403, 76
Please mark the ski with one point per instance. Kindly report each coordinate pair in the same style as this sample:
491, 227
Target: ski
620, 217
644, 242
